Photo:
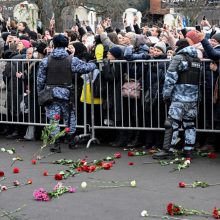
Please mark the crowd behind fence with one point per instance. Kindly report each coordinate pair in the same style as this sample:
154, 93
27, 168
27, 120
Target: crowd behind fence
124, 95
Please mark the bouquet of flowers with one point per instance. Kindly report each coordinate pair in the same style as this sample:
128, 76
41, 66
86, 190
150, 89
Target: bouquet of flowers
58, 190
196, 184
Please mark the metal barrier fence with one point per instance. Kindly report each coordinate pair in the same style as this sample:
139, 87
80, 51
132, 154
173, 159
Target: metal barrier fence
109, 109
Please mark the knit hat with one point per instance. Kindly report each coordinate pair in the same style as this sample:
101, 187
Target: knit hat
116, 52
182, 43
40, 48
26, 43
193, 35
161, 46
216, 37
60, 41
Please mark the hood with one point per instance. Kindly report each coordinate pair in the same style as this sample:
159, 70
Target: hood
59, 53
191, 51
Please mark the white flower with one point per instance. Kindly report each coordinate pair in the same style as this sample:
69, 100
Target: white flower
144, 213
10, 151
83, 185
187, 162
3, 149
108, 158
133, 183
14, 159
171, 162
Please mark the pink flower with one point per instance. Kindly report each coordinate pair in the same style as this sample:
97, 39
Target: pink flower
67, 130
16, 183
4, 188
117, 155
29, 181
57, 117
41, 195
33, 162
71, 189
45, 173
182, 185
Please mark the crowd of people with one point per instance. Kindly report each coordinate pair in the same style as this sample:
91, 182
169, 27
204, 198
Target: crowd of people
90, 50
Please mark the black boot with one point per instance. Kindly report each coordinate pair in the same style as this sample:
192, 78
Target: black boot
56, 147
72, 141
164, 155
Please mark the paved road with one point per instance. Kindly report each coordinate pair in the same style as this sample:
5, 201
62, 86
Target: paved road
156, 186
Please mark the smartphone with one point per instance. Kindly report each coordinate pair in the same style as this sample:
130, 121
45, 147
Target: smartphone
198, 28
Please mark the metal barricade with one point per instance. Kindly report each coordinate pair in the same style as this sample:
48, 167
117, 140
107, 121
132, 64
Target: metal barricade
18, 97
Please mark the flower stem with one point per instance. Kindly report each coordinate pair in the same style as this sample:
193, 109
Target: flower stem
214, 184
167, 217
3, 179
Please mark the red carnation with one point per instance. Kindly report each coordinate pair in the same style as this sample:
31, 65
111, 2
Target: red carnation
85, 168
107, 166
130, 163
130, 153
33, 162
67, 130
16, 170
45, 173
212, 155
92, 168
216, 213
182, 185
83, 161
79, 169
58, 176
2, 173
117, 155
57, 117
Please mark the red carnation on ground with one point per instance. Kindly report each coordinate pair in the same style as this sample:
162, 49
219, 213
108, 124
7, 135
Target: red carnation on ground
92, 168
173, 209
107, 166
85, 168
16, 170
33, 162
57, 117
182, 185
79, 169
67, 130
216, 213
130, 153
117, 155
58, 176
2, 173
83, 161
212, 155
45, 173
130, 163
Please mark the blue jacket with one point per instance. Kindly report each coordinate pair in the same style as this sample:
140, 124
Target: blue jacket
211, 53
77, 66
180, 92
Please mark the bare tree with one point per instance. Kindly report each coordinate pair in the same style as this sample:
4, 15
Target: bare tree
191, 9
112, 8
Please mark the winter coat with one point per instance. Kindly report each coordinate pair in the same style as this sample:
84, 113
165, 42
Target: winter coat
77, 67
180, 92
211, 53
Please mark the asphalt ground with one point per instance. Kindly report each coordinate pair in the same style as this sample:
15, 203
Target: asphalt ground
156, 185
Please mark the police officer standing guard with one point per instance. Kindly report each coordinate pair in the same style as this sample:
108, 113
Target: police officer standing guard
57, 70
181, 88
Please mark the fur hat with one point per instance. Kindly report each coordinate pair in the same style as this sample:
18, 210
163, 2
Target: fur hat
60, 41
193, 36
216, 37
116, 52
161, 46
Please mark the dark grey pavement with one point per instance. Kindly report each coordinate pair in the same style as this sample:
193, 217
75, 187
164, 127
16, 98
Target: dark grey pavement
156, 186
